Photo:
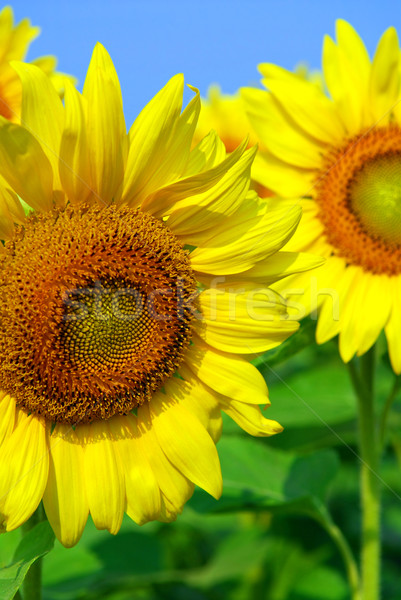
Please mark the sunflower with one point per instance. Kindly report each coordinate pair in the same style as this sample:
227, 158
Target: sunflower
14, 44
129, 296
342, 156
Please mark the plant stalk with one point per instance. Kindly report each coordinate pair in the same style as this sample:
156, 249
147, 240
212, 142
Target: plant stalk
32, 586
369, 448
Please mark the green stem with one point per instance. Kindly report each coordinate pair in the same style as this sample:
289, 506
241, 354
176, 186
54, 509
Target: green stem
347, 556
32, 586
386, 410
370, 482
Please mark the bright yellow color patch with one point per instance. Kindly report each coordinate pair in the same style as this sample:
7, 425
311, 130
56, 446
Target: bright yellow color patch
14, 43
78, 159
225, 114
341, 154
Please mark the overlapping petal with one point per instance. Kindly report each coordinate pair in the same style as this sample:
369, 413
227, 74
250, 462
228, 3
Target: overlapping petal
64, 498
23, 471
106, 132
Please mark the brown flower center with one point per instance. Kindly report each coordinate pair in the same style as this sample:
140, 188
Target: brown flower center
96, 311
359, 196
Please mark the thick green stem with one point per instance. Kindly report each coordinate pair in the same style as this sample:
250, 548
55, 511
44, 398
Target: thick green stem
370, 480
32, 586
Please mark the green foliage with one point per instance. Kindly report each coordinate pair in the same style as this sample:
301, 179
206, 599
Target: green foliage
36, 543
257, 477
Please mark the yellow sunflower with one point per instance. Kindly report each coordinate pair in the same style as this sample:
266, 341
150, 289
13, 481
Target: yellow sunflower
14, 44
129, 299
342, 155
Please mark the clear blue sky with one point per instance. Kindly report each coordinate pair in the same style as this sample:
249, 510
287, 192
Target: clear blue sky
220, 41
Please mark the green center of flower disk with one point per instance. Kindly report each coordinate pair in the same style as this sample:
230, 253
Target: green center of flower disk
375, 195
106, 325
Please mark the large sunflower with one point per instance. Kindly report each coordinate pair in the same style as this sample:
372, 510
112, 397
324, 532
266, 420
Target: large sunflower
14, 43
342, 155
128, 299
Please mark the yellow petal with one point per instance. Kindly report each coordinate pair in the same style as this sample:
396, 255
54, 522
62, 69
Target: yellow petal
310, 235
106, 132
385, 77
227, 374
208, 153
47, 64
6, 220
24, 468
15, 39
74, 151
347, 84
282, 178
331, 279
247, 322
280, 265
65, 499
104, 477
250, 418
209, 190
393, 328
186, 443
150, 164
281, 137
173, 484
245, 215
306, 104
353, 47
142, 489
374, 311
349, 307
39, 101
266, 235
14, 205
25, 166
7, 416
213, 207
198, 400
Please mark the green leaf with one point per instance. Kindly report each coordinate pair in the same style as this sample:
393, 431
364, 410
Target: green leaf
322, 584
256, 476
242, 552
36, 543
313, 397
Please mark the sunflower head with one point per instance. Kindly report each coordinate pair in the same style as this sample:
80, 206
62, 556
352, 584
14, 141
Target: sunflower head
129, 297
341, 154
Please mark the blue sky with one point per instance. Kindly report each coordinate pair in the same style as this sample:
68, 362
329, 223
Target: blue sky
210, 42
